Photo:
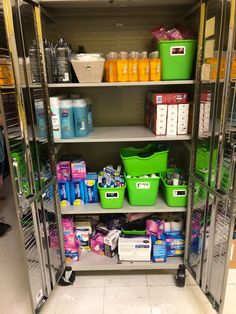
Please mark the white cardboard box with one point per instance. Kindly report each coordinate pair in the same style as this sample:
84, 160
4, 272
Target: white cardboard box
135, 248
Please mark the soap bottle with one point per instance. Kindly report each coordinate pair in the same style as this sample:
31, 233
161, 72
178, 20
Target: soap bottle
143, 67
155, 66
90, 116
63, 65
55, 116
80, 108
67, 119
133, 66
41, 119
122, 67
111, 67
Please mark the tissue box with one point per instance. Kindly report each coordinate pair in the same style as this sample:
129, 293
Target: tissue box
63, 171
135, 248
64, 193
159, 251
97, 243
91, 190
78, 169
174, 243
77, 192
83, 229
111, 242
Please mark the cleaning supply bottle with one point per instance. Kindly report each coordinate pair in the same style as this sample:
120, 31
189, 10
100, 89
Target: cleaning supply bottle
63, 65
34, 62
55, 116
122, 67
67, 119
143, 66
155, 66
133, 66
90, 116
41, 119
80, 108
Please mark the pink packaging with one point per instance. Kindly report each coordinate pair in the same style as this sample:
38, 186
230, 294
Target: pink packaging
155, 227
78, 169
71, 244
63, 171
97, 243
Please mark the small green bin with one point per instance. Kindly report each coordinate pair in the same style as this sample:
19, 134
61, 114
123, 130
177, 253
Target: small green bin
175, 196
112, 197
142, 191
177, 57
137, 166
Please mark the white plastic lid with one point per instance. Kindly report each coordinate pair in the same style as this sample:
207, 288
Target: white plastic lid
79, 103
66, 103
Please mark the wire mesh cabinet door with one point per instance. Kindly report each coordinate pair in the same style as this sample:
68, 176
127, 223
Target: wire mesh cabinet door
211, 206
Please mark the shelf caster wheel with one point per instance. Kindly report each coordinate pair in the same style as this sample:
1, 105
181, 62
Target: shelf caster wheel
68, 277
180, 276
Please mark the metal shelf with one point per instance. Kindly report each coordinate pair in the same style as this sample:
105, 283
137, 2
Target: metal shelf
96, 208
107, 84
90, 261
122, 134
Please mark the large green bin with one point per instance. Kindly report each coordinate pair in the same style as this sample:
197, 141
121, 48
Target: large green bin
177, 57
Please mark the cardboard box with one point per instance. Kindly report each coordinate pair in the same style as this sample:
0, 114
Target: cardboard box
135, 248
83, 229
167, 98
232, 262
111, 242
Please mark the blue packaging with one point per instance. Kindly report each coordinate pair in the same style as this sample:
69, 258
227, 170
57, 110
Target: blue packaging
80, 108
174, 243
77, 192
64, 193
67, 119
159, 250
90, 186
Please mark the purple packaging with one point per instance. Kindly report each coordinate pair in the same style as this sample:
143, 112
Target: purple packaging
63, 171
78, 169
90, 188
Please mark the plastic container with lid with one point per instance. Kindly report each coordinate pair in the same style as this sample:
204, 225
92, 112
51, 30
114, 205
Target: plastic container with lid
122, 67
133, 66
143, 66
80, 109
67, 119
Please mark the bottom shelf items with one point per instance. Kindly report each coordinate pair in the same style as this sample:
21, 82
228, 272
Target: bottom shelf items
90, 261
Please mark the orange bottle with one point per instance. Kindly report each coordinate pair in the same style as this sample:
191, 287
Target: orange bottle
133, 66
122, 67
143, 67
155, 69
111, 67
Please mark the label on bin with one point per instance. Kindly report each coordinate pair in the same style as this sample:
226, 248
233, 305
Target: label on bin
111, 195
179, 193
177, 51
143, 185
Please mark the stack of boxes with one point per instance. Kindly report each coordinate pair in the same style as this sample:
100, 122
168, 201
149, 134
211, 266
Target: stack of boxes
71, 244
204, 117
167, 114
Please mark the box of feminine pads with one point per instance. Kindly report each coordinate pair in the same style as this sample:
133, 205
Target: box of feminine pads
64, 193
78, 169
90, 187
77, 192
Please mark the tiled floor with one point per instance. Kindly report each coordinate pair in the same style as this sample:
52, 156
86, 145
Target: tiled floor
112, 293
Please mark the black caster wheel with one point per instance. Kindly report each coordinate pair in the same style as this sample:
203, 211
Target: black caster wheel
180, 276
68, 277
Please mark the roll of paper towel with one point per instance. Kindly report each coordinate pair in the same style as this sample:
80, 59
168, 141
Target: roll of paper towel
167, 224
177, 224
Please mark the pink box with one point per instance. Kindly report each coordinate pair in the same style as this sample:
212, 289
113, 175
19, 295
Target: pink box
63, 171
97, 243
78, 169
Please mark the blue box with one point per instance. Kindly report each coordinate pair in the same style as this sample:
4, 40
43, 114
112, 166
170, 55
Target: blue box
174, 243
159, 251
77, 192
64, 193
90, 188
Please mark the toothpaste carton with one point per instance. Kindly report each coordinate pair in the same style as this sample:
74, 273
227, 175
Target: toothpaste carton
63, 171
111, 242
78, 169
91, 190
174, 243
77, 192
64, 193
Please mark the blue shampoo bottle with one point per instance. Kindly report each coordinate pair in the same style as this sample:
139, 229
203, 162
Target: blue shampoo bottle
67, 119
80, 108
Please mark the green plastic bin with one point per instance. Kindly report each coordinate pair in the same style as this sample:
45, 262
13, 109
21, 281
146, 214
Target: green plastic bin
142, 191
137, 166
133, 232
175, 196
112, 197
177, 57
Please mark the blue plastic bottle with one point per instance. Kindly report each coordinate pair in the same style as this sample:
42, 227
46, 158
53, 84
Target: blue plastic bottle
67, 119
80, 108
41, 119
90, 116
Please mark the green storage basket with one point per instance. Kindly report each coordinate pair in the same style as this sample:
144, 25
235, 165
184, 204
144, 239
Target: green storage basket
136, 166
203, 158
142, 191
177, 57
175, 196
111, 197
134, 232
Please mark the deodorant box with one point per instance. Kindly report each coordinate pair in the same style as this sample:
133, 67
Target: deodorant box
77, 192
64, 193
78, 169
63, 171
91, 190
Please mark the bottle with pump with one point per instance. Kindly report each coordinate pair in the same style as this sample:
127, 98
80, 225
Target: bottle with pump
111, 67
34, 62
49, 60
63, 64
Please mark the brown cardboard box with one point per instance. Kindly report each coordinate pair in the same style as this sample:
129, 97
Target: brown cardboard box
232, 263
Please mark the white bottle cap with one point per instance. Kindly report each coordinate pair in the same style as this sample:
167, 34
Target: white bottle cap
66, 103
54, 101
79, 103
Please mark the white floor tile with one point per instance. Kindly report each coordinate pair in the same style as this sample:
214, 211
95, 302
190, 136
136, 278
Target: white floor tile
51, 303
230, 300
161, 279
125, 280
232, 277
173, 300
80, 300
89, 280
121, 300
